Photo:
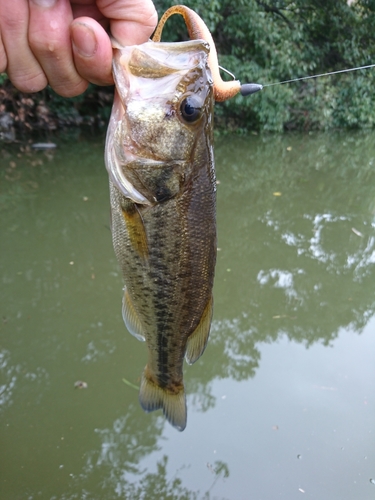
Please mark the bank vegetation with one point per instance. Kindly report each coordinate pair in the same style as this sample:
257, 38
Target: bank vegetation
261, 41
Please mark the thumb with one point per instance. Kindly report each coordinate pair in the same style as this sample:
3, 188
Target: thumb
92, 51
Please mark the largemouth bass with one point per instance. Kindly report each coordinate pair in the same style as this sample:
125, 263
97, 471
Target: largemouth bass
159, 157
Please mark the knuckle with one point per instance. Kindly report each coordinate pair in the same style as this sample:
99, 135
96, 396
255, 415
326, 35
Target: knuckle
99, 74
10, 24
29, 83
152, 19
71, 89
41, 45
148, 18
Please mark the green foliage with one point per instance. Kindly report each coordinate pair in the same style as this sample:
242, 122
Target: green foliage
275, 40
3, 78
261, 41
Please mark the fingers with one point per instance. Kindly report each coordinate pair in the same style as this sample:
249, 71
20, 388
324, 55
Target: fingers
36, 46
92, 51
3, 57
49, 40
131, 21
40, 43
16, 56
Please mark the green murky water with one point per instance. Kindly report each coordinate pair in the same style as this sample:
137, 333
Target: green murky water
281, 405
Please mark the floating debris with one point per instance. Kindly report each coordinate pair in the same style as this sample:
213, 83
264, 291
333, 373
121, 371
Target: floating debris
44, 145
80, 384
130, 384
358, 233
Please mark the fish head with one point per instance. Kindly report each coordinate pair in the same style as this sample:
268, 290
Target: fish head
166, 92
163, 106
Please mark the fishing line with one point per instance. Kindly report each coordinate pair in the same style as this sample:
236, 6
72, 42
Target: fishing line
251, 88
322, 74
227, 71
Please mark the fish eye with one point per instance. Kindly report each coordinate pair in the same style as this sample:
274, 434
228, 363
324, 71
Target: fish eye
191, 109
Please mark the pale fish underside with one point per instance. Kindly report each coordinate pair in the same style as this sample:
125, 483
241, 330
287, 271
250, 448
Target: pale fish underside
159, 157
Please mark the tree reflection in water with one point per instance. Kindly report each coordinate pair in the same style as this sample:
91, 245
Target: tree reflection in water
296, 225
113, 470
300, 264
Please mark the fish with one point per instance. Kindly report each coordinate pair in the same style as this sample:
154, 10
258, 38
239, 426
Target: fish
160, 161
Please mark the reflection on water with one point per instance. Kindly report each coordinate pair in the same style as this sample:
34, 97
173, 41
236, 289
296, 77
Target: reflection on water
296, 223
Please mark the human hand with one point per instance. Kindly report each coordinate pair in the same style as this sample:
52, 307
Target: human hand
63, 43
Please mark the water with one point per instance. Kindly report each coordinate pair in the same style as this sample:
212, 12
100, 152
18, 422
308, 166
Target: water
281, 405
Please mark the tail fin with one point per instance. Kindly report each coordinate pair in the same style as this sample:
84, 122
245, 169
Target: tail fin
152, 397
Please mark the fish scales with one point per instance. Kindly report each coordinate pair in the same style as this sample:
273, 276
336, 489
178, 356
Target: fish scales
159, 157
173, 284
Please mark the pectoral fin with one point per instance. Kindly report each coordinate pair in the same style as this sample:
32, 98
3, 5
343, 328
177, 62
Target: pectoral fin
130, 317
197, 341
136, 229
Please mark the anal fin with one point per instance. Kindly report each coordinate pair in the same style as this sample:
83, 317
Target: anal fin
130, 317
197, 341
153, 397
